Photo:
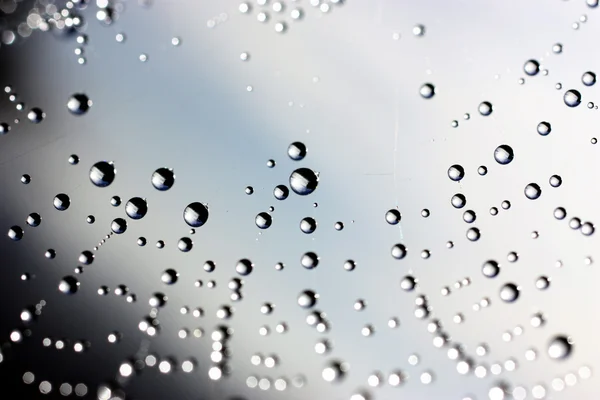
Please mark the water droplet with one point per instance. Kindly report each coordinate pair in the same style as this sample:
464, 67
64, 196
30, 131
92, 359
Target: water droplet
587, 228
349, 265
86, 257
533, 191
456, 172
485, 108
427, 91
542, 283
50, 254
458, 200
4, 128
588, 78
115, 201
281, 192
399, 251
271, 163
334, 372
544, 128
309, 260
557, 48
68, 285
244, 267
575, 223
509, 293
572, 98
61, 202
15, 233
143, 57
249, 190
34, 219
25, 179
263, 220
118, 226
560, 347
103, 173
307, 299
473, 234
482, 170
308, 225
141, 241
297, 151
169, 276
280, 27
531, 67
503, 154
408, 283
163, 179
195, 214
418, 30
393, 217
490, 269
338, 226
36, 115
185, 244
79, 104
136, 208
304, 181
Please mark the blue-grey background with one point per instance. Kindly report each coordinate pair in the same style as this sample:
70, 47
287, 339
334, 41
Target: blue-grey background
343, 85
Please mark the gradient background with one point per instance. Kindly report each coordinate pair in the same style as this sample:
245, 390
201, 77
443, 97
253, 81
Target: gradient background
377, 145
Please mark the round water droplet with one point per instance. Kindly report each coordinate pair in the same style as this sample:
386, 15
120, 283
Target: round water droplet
15, 233
542, 283
195, 214
103, 173
308, 225
555, 181
68, 285
503, 154
408, 283
399, 251
572, 98
490, 269
136, 208
79, 104
36, 115
418, 30
485, 108
4, 128
307, 299
34, 219
297, 151
185, 244
560, 213
588, 78
163, 179
73, 159
118, 226
115, 201
281, 192
560, 347
338, 226
61, 202
427, 91
25, 179
544, 128
244, 267
509, 293
473, 234
533, 191
304, 181
263, 220
458, 201
169, 276
531, 67
309, 260
456, 172
393, 217
334, 372
86, 257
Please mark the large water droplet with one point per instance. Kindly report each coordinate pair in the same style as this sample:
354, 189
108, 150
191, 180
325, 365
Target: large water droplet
297, 151
309, 260
163, 179
533, 191
61, 202
79, 104
304, 181
399, 251
408, 283
136, 208
572, 98
427, 91
308, 225
456, 172
559, 347
485, 108
102, 173
36, 115
86, 257
509, 293
503, 154
490, 269
307, 299
263, 220
393, 217
169, 276
15, 233
195, 214
244, 267
531, 67
68, 285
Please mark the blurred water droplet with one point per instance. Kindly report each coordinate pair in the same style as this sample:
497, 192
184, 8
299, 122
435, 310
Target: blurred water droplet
427, 91
36, 115
79, 104
509, 293
68, 285
560, 347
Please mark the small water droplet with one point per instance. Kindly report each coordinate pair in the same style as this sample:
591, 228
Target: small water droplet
572, 98
79, 104
531, 67
427, 91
